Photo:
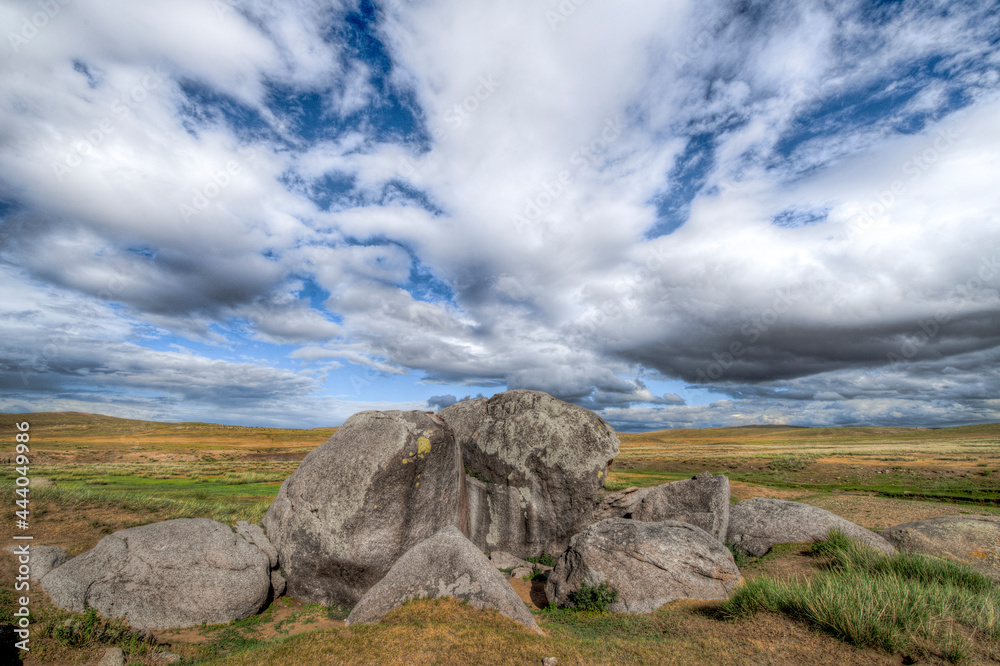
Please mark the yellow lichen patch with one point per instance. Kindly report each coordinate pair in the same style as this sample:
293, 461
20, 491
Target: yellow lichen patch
423, 446
406, 460
600, 474
979, 554
417, 485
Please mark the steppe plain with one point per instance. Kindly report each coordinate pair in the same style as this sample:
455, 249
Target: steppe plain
112, 473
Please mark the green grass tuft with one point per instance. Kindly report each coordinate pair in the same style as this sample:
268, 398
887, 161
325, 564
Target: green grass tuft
894, 603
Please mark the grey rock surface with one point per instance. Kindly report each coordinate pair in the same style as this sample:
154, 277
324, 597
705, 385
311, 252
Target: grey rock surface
535, 467
113, 656
177, 573
504, 560
757, 524
649, 564
447, 564
702, 501
43, 559
384, 482
974, 540
620, 503
255, 534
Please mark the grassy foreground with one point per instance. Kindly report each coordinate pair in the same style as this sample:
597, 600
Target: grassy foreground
114, 473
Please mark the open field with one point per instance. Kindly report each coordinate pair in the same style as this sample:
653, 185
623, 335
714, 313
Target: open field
114, 473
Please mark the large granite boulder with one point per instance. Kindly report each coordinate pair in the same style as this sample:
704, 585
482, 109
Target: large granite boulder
447, 564
974, 540
648, 564
758, 523
178, 573
702, 501
535, 465
384, 482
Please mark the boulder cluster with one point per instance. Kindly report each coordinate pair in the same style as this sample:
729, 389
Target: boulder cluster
397, 505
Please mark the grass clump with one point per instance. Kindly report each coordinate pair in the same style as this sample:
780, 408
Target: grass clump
894, 603
91, 628
594, 597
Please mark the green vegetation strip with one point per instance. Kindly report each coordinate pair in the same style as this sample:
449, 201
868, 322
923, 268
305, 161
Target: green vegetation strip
897, 603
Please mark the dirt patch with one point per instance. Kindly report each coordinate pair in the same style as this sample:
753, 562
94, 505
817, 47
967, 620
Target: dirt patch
532, 592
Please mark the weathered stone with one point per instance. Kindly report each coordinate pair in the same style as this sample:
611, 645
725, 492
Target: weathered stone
113, 656
619, 504
535, 466
974, 540
521, 572
177, 573
255, 535
166, 658
383, 483
702, 501
43, 559
36, 482
278, 584
550, 661
504, 560
447, 564
648, 564
757, 524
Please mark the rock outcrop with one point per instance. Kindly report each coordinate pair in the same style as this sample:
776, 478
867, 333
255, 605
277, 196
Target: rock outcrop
702, 501
384, 482
757, 524
447, 564
177, 573
648, 564
535, 465
974, 540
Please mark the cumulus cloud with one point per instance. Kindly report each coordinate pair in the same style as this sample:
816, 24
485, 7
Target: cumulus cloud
790, 204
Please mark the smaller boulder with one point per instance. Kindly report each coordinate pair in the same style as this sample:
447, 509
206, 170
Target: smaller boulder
974, 540
648, 564
177, 573
521, 572
446, 564
37, 482
702, 501
757, 524
113, 656
278, 584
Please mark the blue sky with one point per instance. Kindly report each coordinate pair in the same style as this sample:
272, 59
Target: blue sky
677, 214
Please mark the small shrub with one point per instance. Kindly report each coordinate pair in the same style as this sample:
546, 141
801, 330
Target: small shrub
594, 598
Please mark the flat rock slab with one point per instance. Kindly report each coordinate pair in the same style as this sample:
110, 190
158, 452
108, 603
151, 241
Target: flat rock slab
758, 523
177, 573
535, 467
445, 565
649, 564
974, 540
383, 483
